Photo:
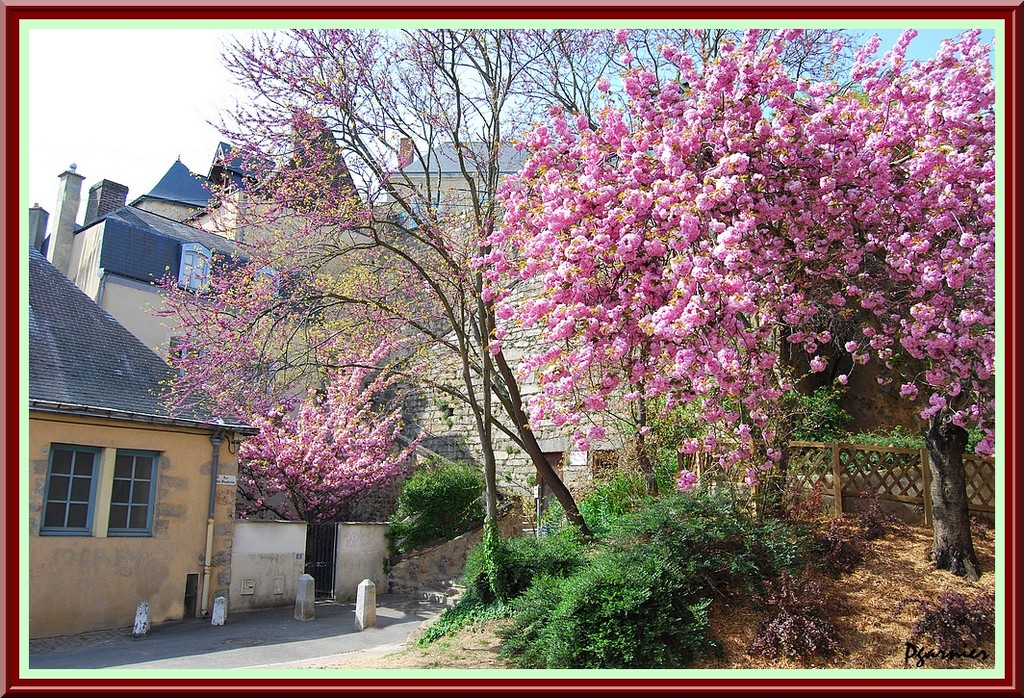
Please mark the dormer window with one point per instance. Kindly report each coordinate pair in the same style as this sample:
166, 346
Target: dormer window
194, 271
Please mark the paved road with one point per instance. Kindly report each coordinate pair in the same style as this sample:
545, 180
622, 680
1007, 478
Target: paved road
264, 639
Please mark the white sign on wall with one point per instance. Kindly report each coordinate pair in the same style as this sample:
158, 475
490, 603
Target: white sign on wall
226, 479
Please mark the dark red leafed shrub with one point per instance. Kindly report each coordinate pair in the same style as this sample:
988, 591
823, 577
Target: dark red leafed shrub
839, 547
954, 623
797, 624
873, 521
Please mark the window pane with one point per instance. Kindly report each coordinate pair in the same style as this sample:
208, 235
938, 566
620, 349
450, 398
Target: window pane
80, 487
54, 514
118, 516
121, 491
141, 493
143, 468
61, 461
78, 515
123, 467
138, 518
83, 463
59, 487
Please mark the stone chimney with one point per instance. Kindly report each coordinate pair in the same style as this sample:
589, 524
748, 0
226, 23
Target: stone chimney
69, 198
37, 219
104, 197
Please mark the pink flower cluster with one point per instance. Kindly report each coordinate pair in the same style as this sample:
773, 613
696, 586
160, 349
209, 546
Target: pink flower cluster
681, 242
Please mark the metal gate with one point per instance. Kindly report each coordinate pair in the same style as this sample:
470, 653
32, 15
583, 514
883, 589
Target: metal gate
321, 557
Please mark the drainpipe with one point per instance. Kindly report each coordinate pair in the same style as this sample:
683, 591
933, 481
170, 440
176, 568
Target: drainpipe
217, 439
103, 285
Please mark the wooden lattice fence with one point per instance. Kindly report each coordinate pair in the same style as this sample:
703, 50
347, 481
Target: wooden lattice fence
852, 470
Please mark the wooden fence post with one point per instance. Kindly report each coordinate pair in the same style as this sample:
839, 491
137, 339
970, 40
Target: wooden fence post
926, 475
837, 480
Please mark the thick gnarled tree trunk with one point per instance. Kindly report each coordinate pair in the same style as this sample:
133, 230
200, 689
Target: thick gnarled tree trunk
953, 548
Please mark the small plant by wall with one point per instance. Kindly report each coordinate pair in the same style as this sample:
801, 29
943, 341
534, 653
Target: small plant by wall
440, 501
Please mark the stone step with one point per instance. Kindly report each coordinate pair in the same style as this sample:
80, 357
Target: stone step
446, 596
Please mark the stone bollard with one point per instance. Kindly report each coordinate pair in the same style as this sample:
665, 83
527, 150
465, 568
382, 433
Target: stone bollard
366, 605
220, 611
305, 598
141, 620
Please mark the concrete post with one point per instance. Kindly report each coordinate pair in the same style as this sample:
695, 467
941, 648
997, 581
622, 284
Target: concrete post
220, 611
305, 598
366, 605
141, 620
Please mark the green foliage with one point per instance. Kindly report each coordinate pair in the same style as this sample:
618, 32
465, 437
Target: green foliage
818, 416
643, 599
723, 548
628, 609
610, 500
896, 437
441, 500
500, 569
468, 610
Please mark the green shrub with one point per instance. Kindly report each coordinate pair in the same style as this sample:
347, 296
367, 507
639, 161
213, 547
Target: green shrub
629, 609
818, 416
504, 570
610, 500
722, 547
440, 501
643, 599
896, 437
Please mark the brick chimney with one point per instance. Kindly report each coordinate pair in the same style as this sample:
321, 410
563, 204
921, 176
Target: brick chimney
69, 198
37, 219
104, 197
405, 152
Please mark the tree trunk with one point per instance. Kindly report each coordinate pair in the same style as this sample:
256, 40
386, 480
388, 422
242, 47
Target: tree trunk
953, 549
522, 423
771, 499
643, 458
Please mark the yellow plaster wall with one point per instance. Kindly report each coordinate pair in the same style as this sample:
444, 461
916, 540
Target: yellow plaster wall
82, 583
134, 305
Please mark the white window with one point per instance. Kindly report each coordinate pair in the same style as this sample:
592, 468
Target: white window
194, 271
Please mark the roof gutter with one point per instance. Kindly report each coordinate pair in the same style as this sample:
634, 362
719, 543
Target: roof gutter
109, 413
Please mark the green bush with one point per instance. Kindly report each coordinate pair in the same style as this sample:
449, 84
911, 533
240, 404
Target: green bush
610, 500
440, 501
643, 599
628, 609
818, 416
722, 547
896, 437
504, 569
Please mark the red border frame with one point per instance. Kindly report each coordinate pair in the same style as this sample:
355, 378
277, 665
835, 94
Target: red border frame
16, 11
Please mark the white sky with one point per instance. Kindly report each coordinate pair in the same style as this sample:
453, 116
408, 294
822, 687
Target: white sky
124, 104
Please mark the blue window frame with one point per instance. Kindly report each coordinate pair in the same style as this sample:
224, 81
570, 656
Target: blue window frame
131, 498
70, 490
194, 269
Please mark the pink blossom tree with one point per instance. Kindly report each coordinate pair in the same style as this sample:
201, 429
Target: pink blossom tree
335, 447
684, 245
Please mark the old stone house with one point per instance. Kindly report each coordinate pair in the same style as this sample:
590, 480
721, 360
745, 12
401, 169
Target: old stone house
126, 502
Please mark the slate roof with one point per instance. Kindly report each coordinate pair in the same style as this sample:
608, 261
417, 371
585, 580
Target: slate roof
80, 358
180, 185
443, 161
143, 246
